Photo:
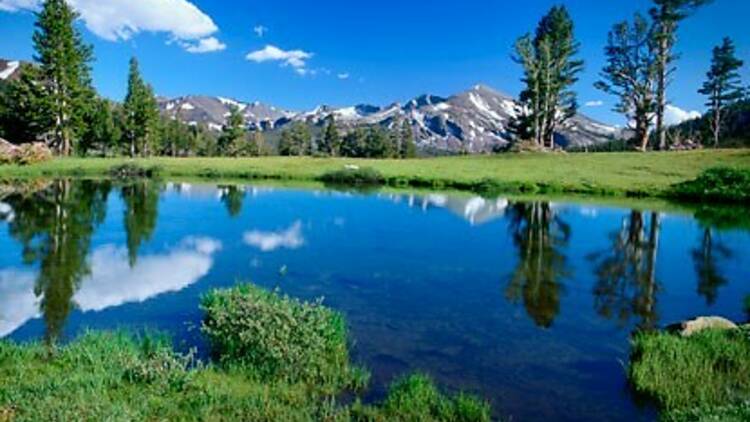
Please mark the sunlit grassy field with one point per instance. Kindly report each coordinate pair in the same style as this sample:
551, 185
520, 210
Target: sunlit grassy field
607, 173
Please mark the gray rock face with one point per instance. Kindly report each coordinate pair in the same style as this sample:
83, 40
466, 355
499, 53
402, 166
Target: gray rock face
475, 121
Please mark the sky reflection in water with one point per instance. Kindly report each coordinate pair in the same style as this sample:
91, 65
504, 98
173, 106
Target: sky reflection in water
529, 304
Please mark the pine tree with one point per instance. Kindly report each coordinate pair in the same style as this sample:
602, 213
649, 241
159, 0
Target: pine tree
378, 143
232, 139
141, 114
549, 71
353, 144
407, 148
630, 74
723, 85
64, 65
331, 140
24, 115
667, 16
295, 141
101, 132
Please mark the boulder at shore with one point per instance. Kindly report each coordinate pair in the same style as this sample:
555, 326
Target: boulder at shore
689, 328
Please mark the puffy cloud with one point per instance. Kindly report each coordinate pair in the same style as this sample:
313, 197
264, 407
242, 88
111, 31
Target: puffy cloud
18, 303
290, 238
343, 76
112, 282
294, 58
205, 45
16, 5
116, 20
674, 115
595, 103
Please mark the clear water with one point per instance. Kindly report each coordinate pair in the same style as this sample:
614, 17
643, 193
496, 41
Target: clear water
528, 304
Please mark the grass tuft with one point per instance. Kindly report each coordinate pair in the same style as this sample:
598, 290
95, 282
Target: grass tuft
723, 184
354, 177
695, 374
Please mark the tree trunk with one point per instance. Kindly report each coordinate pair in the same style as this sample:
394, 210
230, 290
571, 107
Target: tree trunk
661, 91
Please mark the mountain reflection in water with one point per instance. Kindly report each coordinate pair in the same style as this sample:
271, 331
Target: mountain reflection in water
527, 303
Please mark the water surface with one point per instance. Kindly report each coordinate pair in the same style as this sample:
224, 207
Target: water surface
528, 304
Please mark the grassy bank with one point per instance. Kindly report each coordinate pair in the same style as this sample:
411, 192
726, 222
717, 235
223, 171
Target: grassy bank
632, 174
702, 377
275, 359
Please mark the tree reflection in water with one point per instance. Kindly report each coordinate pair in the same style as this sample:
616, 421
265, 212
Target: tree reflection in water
54, 225
233, 197
539, 234
141, 198
626, 285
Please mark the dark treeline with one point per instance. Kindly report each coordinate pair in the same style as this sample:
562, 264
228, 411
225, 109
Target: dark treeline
53, 100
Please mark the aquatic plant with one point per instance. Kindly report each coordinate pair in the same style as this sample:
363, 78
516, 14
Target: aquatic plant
698, 373
119, 376
278, 337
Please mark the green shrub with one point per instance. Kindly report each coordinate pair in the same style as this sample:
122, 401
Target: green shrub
415, 398
133, 170
353, 176
706, 370
746, 306
722, 184
277, 337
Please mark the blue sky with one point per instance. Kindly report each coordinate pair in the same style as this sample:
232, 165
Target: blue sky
341, 52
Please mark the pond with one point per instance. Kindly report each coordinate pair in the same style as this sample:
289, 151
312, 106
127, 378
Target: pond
529, 304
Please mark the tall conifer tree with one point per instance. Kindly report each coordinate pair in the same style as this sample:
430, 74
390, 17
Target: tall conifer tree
667, 16
550, 69
722, 86
64, 65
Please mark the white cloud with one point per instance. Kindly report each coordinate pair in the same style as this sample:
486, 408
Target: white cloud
16, 5
675, 115
116, 20
112, 282
290, 238
343, 76
18, 303
205, 45
294, 58
260, 31
596, 103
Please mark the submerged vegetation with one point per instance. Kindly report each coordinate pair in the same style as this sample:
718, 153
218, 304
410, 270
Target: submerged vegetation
278, 359
707, 374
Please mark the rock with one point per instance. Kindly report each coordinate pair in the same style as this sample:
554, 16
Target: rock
8, 152
24, 154
689, 328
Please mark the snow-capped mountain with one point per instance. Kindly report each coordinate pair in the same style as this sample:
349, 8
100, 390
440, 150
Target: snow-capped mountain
213, 111
9, 69
474, 121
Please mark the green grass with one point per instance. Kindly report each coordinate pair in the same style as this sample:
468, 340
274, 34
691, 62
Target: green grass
705, 374
120, 377
634, 174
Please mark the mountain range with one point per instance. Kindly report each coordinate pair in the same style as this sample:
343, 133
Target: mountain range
473, 121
